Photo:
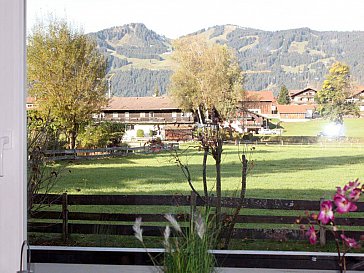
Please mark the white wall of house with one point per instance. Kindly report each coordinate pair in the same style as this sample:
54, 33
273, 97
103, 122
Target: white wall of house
12, 124
132, 134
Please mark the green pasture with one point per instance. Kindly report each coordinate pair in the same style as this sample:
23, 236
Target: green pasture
354, 127
287, 172
290, 172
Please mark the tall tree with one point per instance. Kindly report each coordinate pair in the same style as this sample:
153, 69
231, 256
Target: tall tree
208, 77
336, 89
283, 96
66, 75
208, 81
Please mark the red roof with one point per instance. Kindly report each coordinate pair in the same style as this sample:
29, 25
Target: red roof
357, 90
293, 93
259, 96
30, 100
141, 103
294, 109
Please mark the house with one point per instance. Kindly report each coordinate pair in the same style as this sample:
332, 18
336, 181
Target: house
150, 114
295, 112
357, 96
249, 121
305, 96
259, 102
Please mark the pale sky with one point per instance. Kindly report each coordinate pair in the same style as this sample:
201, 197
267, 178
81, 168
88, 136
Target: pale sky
174, 18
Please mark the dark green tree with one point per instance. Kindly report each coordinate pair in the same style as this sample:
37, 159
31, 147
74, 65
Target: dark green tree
283, 97
336, 89
157, 93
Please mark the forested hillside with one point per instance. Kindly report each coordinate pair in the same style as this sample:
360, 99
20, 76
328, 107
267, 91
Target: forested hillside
140, 59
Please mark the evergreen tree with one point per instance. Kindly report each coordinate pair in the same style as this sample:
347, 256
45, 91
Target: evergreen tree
156, 90
283, 97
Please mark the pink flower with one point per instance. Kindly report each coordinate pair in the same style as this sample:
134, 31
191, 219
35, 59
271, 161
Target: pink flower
343, 204
312, 236
326, 214
349, 242
340, 191
352, 185
355, 194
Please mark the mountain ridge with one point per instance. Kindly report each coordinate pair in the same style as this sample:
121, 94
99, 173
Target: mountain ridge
141, 58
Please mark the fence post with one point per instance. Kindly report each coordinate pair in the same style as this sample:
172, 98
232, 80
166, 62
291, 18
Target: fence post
322, 230
193, 204
65, 233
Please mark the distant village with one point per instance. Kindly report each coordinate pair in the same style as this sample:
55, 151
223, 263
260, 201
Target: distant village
160, 116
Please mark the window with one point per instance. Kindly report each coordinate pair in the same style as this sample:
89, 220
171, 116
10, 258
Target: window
142, 114
174, 114
115, 115
126, 115
151, 114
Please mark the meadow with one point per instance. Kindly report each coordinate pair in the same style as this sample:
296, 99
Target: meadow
353, 127
287, 172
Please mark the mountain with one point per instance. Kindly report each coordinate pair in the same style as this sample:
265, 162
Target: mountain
139, 60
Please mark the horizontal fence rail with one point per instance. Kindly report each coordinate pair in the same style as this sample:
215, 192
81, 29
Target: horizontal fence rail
73, 154
68, 222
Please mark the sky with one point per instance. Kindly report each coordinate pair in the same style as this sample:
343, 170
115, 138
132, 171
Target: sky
174, 18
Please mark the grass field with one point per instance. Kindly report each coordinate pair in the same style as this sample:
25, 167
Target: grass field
287, 172
291, 172
353, 127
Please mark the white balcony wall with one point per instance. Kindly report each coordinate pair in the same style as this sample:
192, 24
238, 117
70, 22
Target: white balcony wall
12, 124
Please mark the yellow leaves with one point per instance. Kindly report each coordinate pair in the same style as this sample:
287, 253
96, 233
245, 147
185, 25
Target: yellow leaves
208, 75
64, 71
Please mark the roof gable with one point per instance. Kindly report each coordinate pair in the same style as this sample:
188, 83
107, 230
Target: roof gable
259, 96
357, 91
293, 93
294, 109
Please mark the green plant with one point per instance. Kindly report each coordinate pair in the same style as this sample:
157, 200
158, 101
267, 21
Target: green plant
93, 136
140, 133
343, 202
186, 252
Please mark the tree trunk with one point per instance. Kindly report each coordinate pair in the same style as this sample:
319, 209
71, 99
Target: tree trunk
199, 115
204, 178
231, 225
217, 157
72, 139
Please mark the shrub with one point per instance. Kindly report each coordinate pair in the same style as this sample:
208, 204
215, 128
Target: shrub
93, 137
140, 133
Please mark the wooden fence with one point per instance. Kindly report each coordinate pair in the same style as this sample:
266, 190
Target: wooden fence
73, 154
100, 222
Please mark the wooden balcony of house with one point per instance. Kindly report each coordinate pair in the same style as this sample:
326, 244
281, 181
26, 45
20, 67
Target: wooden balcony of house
147, 120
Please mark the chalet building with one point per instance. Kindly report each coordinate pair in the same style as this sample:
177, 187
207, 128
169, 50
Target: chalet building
250, 122
305, 96
150, 114
294, 112
259, 102
357, 97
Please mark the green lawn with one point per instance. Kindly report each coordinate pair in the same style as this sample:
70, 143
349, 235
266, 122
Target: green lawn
353, 127
290, 172
297, 172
